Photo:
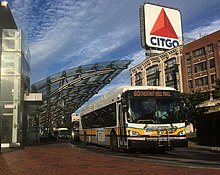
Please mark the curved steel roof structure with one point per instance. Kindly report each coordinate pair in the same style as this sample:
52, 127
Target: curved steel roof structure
65, 92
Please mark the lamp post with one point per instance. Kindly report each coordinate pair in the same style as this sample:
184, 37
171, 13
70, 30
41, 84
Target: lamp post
0, 126
4, 3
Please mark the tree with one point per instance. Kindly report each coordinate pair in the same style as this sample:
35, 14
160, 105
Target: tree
216, 91
191, 102
216, 95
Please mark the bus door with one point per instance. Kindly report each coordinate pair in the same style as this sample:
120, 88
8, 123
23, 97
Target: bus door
122, 129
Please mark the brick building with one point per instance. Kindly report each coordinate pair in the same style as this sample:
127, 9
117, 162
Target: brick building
201, 63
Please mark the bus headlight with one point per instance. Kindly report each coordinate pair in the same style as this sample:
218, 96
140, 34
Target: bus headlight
182, 133
133, 133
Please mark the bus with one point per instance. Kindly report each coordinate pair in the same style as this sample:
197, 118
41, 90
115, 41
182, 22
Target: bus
62, 133
134, 118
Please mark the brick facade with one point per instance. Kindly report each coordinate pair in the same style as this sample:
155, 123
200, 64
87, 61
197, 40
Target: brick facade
201, 63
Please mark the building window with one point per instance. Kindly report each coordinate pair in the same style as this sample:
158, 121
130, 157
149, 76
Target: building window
210, 48
170, 63
188, 58
152, 70
199, 52
200, 67
202, 81
152, 82
212, 63
189, 70
190, 84
9, 44
170, 76
138, 76
138, 79
138, 83
213, 79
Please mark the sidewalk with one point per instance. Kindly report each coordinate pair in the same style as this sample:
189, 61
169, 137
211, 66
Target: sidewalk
209, 148
67, 159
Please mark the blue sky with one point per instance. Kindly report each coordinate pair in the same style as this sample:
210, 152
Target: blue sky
62, 34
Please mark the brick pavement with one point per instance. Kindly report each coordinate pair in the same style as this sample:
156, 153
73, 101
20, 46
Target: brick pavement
66, 159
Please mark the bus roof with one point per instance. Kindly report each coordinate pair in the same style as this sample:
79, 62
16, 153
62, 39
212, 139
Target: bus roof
115, 95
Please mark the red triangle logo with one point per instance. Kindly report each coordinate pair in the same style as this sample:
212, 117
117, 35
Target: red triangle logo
163, 27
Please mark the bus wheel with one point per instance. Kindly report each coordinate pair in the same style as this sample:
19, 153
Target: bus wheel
113, 142
85, 138
72, 137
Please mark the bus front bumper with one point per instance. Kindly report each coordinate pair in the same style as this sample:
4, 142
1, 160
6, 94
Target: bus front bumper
149, 144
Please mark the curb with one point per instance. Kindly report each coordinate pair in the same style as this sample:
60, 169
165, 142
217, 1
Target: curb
209, 148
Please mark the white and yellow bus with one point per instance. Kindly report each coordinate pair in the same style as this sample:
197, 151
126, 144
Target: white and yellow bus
134, 117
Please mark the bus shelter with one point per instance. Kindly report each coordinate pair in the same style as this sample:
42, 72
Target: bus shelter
65, 92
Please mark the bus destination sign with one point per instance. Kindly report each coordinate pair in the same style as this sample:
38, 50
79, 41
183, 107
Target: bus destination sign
143, 93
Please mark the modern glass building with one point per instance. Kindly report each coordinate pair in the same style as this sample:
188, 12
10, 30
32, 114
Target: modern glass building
14, 80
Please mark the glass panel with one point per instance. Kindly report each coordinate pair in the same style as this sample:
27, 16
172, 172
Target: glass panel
170, 63
170, 76
210, 48
152, 70
189, 70
7, 129
87, 68
151, 82
212, 63
202, 81
10, 63
71, 72
56, 77
190, 84
55, 86
11, 40
213, 79
199, 52
188, 57
7, 88
40, 84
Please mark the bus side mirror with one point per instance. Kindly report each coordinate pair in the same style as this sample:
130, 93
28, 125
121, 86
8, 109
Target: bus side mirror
124, 103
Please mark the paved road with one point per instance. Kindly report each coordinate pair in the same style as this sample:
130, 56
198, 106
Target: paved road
184, 157
67, 159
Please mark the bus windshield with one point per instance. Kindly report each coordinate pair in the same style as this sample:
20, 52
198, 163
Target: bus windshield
154, 107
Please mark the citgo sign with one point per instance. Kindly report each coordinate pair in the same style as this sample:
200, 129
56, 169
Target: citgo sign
162, 27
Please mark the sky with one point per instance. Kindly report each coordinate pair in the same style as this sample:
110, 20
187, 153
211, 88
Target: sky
63, 34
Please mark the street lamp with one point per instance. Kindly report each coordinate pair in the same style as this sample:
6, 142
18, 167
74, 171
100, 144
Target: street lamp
4, 3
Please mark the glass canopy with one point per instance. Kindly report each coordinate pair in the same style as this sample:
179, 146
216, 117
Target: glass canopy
65, 92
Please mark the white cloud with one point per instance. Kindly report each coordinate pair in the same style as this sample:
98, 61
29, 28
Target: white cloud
104, 44
203, 30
